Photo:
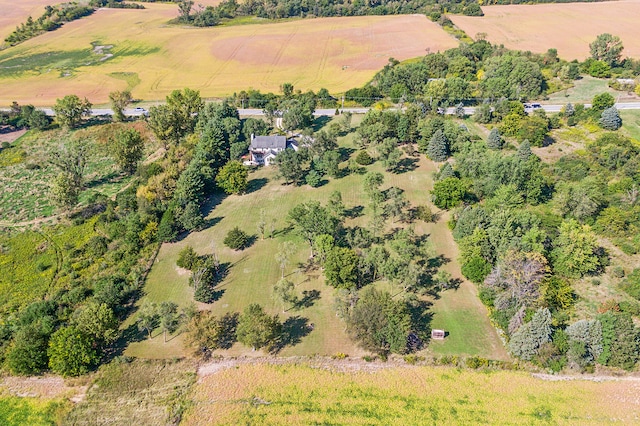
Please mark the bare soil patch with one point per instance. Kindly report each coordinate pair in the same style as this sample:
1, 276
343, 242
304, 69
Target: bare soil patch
567, 27
47, 387
8, 134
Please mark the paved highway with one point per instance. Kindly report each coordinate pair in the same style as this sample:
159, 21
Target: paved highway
328, 112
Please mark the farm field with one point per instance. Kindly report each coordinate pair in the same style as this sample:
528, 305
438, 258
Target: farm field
253, 271
16, 12
300, 394
567, 27
115, 49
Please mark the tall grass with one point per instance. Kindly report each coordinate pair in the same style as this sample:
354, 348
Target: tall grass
298, 394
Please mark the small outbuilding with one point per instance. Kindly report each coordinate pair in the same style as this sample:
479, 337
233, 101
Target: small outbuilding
437, 334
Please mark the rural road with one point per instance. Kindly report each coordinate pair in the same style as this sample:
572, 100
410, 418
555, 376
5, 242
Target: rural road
329, 112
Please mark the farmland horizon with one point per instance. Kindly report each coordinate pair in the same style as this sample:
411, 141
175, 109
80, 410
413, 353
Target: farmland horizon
118, 49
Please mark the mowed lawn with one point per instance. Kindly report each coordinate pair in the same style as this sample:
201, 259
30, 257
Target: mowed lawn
254, 271
142, 52
567, 27
301, 394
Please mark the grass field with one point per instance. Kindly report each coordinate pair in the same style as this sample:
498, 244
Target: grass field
253, 271
567, 27
299, 394
26, 172
631, 123
583, 91
346, 52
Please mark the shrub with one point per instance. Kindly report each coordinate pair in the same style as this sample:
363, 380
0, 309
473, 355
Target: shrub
413, 359
425, 214
187, 258
476, 362
313, 179
236, 239
632, 284
476, 269
363, 158
617, 271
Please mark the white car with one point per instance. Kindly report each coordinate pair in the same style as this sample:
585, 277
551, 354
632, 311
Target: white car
140, 111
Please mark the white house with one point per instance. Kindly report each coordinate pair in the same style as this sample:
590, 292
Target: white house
263, 149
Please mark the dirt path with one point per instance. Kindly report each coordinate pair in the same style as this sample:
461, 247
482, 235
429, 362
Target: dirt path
47, 387
355, 365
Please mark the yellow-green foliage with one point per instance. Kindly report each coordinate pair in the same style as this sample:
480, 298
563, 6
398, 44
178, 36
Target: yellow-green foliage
10, 156
15, 411
30, 261
28, 264
270, 395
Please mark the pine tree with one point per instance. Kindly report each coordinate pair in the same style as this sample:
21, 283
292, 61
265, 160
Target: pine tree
524, 150
438, 149
494, 141
446, 171
610, 119
526, 341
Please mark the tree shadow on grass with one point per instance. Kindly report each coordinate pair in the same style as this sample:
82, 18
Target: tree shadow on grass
320, 122
406, 165
438, 261
256, 185
345, 153
212, 202
308, 299
353, 212
109, 178
421, 317
293, 330
129, 335
210, 222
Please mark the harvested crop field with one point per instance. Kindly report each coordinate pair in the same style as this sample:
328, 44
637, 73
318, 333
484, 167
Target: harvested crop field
16, 12
115, 49
567, 27
299, 394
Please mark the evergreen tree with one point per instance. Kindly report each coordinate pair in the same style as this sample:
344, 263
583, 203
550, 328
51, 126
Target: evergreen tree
526, 341
494, 141
524, 150
438, 149
610, 119
446, 171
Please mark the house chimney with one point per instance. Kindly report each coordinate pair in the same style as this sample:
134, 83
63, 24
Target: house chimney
252, 136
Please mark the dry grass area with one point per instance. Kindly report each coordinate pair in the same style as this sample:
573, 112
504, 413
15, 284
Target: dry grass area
135, 393
301, 394
567, 27
153, 58
16, 12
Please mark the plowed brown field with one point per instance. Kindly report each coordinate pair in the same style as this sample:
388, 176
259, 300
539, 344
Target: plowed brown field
568, 27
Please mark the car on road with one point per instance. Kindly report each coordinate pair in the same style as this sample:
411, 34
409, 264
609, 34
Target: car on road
140, 111
529, 107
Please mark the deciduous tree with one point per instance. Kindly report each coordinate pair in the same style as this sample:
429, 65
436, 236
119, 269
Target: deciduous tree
70, 110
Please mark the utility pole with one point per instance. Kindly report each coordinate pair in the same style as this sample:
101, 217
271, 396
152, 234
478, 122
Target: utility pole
342, 104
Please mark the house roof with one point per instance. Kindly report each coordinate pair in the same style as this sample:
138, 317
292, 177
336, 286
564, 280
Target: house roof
269, 142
